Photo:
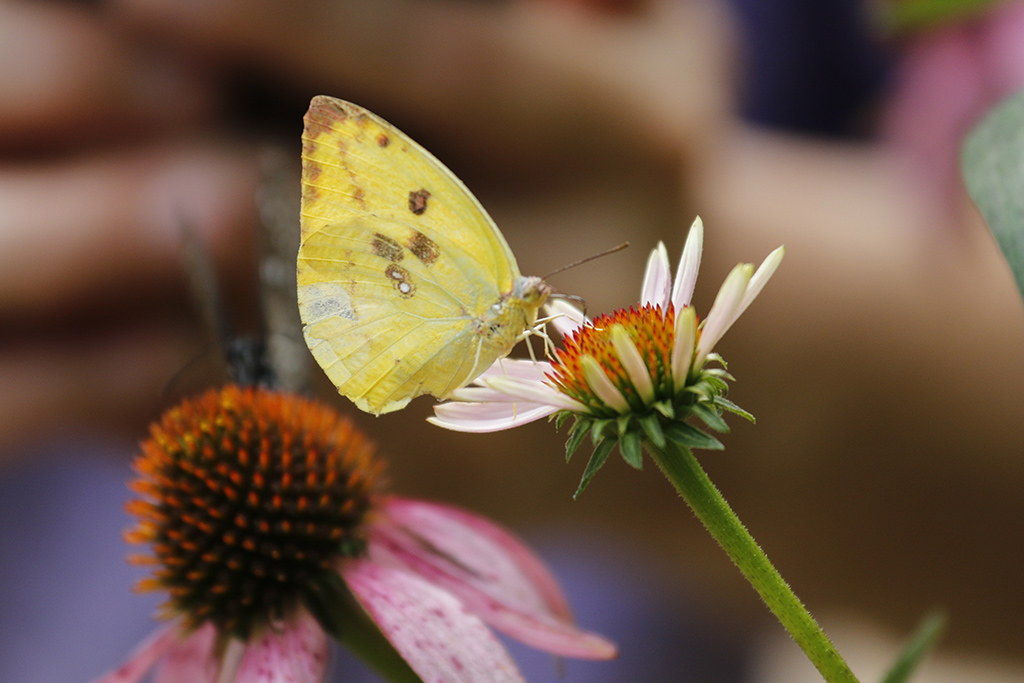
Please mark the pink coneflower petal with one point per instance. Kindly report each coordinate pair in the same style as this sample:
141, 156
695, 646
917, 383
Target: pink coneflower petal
686, 275
296, 654
144, 656
429, 627
657, 279
479, 542
491, 571
481, 418
190, 659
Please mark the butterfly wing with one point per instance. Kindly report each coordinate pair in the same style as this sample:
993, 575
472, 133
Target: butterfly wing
396, 262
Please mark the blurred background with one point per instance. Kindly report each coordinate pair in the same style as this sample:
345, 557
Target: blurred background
885, 361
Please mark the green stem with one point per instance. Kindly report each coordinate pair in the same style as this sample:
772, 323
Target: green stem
690, 480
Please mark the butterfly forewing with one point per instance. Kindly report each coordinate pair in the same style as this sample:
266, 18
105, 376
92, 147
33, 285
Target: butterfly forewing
397, 259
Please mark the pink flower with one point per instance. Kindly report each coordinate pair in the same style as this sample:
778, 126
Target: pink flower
949, 75
262, 516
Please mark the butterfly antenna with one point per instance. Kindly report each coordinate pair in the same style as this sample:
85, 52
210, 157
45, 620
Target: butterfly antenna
588, 259
244, 358
177, 385
202, 282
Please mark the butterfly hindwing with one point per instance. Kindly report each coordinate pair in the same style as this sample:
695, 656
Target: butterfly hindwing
396, 261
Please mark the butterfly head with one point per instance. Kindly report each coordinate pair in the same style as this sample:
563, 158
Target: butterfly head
531, 290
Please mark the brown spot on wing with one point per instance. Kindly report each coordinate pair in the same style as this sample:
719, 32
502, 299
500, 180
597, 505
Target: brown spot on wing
323, 113
312, 169
387, 248
359, 196
418, 201
424, 248
383, 140
399, 277
308, 147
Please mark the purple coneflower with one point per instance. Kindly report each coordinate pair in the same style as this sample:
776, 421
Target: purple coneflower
269, 530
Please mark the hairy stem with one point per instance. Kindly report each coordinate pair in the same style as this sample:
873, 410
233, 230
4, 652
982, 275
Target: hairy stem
692, 483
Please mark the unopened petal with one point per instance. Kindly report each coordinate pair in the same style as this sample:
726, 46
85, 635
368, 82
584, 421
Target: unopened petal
689, 264
722, 313
683, 346
439, 638
489, 569
657, 279
297, 653
636, 369
145, 655
602, 386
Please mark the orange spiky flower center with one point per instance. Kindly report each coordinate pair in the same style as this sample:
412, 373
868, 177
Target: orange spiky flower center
249, 498
651, 331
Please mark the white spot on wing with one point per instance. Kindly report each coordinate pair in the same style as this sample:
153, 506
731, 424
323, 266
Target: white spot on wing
324, 300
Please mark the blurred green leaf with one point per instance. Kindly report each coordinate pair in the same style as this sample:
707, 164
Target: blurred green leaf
914, 652
909, 15
993, 168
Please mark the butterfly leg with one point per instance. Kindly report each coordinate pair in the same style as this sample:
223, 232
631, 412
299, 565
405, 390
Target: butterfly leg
539, 330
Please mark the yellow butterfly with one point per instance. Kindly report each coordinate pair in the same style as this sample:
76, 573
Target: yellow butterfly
406, 286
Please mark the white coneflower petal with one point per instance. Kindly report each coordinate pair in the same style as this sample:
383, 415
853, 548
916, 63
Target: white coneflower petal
481, 418
516, 367
657, 279
633, 363
722, 311
686, 275
476, 393
682, 349
565, 317
759, 280
602, 387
